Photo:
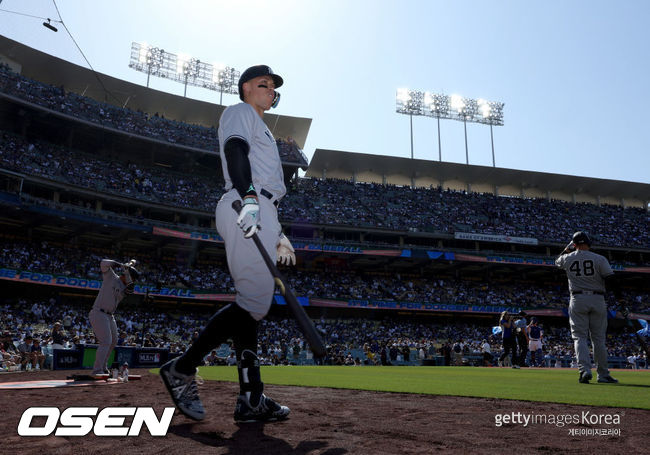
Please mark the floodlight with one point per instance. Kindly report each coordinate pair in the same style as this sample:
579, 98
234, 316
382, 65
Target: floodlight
181, 62
403, 95
453, 107
217, 68
484, 107
142, 55
457, 103
183, 68
470, 109
428, 99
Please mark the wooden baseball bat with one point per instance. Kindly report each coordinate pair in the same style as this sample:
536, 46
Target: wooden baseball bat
305, 324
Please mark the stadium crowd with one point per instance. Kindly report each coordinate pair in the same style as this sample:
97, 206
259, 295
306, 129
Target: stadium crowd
28, 327
121, 118
125, 179
402, 208
350, 341
332, 283
341, 202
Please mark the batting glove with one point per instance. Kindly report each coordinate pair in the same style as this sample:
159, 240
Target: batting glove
249, 217
571, 247
286, 253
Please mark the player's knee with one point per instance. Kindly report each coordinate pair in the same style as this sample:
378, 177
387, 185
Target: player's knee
597, 340
579, 335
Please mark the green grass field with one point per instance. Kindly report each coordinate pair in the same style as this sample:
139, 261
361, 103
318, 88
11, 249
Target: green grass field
557, 386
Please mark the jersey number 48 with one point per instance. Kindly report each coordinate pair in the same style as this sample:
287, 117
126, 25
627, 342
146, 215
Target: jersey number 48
585, 268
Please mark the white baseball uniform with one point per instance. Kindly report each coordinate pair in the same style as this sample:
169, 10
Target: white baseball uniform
101, 315
586, 271
253, 281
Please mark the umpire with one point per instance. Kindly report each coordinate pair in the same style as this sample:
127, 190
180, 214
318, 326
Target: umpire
587, 273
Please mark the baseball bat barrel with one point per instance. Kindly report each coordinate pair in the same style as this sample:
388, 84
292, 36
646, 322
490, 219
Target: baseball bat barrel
305, 324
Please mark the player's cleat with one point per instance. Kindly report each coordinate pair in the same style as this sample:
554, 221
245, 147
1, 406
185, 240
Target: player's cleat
267, 411
516, 367
608, 380
585, 377
99, 375
183, 390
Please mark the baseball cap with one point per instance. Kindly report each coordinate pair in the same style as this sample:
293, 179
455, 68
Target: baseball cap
257, 71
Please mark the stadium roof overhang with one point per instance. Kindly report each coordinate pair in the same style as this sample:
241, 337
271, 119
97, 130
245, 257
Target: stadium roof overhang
361, 166
55, 71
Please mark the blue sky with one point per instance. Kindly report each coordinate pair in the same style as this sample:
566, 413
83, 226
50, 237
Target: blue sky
573, 74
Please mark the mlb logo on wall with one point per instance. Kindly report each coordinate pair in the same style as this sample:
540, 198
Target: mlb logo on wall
149, 357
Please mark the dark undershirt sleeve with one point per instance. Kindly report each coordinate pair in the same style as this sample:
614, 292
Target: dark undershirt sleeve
613, 283
239, 167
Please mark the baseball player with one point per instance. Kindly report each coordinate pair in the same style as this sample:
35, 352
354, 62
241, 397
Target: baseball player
113, 290
535, 334
587, 273
253, 175
521, 337
508, 339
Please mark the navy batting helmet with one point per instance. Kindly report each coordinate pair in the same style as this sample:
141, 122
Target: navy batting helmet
580, 238
257, 71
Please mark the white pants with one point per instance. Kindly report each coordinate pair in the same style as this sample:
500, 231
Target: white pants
588, 319
105, 330
253, 280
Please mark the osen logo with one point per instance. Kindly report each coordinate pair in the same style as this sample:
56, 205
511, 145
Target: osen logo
78, 421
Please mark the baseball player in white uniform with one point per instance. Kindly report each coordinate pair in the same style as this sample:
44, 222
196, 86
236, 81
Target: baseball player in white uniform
587, 273
253, 175
535, 334
113, 290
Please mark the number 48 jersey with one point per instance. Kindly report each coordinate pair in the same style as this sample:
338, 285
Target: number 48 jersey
586, 270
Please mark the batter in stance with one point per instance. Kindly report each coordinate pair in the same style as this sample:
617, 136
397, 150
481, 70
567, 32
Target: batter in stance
587, 273
114, 288
253, 174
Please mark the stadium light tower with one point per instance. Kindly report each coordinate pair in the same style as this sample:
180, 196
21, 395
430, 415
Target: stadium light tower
225, 77
466, 109
438, 106
184, 69
492, 114
409, 102
151, 57
189, 68
453, 107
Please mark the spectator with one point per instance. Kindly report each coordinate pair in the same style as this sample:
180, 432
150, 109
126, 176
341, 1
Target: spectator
8, 357
487, 353
58, 336
37, 354
26, 354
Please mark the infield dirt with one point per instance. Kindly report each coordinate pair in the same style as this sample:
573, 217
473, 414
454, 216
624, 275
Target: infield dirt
323, 421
